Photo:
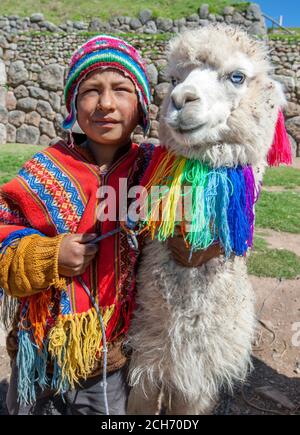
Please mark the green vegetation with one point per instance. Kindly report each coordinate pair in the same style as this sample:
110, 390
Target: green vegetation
279, 211
61, 10
282, 176
12, 157
141, 36
273, 263
285, 36
278, 31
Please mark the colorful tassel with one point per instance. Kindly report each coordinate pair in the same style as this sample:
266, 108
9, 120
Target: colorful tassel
221, 204
237, 217
196, 175
74, 346
280, 151
38, 312
31, 362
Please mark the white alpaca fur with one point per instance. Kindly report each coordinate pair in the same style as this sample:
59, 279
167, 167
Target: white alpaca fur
192, 330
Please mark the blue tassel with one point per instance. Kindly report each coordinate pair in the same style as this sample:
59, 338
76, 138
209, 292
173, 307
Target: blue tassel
41, 366
26, 368
58, 383
31, 363
236, 214
225, 190
211, 192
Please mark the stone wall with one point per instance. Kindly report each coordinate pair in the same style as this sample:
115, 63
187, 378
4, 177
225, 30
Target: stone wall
285, 55
33, 69
249, 17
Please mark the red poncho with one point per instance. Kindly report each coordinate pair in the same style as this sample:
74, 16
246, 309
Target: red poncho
55, 193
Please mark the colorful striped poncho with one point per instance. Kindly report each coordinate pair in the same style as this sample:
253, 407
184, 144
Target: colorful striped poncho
56, 193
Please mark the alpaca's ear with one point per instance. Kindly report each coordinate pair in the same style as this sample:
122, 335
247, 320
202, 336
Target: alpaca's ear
279, 90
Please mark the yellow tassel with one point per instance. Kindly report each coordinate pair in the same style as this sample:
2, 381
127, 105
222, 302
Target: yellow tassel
75, 342
57, 335
173, 168
173, 200
162, 171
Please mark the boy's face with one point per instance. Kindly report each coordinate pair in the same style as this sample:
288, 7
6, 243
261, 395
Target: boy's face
107, 107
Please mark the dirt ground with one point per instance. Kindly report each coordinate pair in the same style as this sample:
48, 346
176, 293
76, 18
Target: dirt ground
276, 360
280, 240
274, 384
4, 377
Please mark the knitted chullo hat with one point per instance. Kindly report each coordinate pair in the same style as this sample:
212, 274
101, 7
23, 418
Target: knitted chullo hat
104, 51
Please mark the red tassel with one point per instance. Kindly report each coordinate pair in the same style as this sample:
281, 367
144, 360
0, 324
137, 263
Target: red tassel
281, 151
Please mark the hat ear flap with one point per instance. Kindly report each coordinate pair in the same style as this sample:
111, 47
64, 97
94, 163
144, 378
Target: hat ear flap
142, 121
141, 115
280, 151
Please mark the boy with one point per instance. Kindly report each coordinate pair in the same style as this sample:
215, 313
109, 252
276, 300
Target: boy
68, 289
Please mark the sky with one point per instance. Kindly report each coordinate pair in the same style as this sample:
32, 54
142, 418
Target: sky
290, 9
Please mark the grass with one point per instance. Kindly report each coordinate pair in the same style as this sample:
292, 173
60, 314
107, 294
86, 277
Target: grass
147, 42
88, 34
282, 176
273, 263
12, 157
285, 37
58, 11
279, 211
295, 30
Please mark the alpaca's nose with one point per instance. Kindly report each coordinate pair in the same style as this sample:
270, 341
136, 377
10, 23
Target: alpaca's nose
183, 95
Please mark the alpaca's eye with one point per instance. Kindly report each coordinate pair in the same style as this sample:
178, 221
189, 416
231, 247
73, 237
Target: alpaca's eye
174, 81
237, 77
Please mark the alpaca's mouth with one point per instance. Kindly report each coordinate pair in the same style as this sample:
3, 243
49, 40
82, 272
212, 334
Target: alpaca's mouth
182, 130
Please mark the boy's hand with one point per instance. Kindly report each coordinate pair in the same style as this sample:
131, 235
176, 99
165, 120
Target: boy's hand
181, 253
75, 254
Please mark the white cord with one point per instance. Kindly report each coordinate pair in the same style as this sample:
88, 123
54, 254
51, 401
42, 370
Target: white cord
104, 342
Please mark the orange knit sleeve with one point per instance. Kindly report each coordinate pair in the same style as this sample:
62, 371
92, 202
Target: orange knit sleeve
31, 266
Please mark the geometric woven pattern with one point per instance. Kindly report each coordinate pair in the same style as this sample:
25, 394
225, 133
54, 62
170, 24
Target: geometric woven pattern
10, 216
65, 304
57, 192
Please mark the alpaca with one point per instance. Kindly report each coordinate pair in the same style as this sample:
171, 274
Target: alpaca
192, 331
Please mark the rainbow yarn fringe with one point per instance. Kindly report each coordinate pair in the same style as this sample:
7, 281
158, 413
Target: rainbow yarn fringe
221, 204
